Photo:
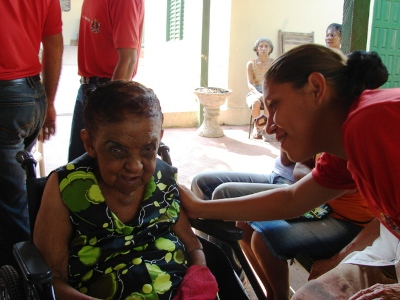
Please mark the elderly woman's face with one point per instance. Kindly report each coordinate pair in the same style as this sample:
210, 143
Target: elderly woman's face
126, 152
333, 38
263, 48
291, 119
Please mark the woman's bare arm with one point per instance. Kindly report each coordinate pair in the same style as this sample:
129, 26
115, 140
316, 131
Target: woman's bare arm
277, 204
192, 244
51, 236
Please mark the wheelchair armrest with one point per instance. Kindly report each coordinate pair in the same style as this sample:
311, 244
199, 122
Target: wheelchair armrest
222, 230
31, 263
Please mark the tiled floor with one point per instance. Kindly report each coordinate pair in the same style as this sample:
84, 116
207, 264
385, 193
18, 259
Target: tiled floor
189, 152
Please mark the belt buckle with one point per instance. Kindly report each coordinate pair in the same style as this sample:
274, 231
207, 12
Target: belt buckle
84, 80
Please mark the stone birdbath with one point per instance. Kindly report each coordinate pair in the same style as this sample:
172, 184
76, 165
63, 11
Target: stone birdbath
211, 98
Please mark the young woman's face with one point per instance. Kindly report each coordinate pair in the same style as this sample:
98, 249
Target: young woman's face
291, 119
263, 48
126, 152
333, 39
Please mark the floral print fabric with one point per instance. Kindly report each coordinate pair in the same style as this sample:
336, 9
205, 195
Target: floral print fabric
112, 260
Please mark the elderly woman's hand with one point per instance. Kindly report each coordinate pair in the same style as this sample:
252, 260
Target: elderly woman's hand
189, 201
378, 291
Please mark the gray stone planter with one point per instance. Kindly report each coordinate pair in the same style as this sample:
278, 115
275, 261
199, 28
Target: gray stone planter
211, 98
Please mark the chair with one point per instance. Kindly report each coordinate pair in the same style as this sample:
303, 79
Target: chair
289, 40
34, 280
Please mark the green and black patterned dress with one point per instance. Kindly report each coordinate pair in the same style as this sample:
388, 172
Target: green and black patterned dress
111, 260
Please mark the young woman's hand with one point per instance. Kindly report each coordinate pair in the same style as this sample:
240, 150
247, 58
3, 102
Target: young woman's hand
188, 200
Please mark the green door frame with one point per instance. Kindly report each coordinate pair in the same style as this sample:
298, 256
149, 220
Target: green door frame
205, 43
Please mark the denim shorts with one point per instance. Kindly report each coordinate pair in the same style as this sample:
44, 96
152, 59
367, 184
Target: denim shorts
317, 239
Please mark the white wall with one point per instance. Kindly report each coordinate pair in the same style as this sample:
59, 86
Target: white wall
71, 21
172, 69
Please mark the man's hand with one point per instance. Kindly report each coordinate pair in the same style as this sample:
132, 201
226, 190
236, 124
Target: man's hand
49, 126
379, 291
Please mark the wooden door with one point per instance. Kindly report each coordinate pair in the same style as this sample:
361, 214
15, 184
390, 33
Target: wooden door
385, 37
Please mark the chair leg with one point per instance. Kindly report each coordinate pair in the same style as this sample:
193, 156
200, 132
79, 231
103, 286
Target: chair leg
42, 167
251, 125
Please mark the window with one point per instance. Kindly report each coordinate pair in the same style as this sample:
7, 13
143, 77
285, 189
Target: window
175, 11
65, 5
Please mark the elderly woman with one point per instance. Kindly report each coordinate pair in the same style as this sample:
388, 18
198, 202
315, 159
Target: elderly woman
333, 38
110, 224
321, 101
255, 70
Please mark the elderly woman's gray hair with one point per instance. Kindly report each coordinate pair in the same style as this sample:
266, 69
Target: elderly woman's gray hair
259, 41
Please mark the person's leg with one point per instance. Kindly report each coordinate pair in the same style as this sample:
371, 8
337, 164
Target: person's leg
277, 241
238, 189
253, 101
275, 270
256, 108
204, 184
343, 281
246, 245
76, 147
22, 113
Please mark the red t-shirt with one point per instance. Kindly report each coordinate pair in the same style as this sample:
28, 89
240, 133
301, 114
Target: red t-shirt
22, 26
105, 26
331, 172
371, 137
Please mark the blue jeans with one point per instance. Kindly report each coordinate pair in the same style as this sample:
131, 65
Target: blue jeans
76, 147
22, 112
317, 239
209, 185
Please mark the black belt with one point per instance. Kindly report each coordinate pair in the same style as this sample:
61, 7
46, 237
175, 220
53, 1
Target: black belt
25, 80
94, 80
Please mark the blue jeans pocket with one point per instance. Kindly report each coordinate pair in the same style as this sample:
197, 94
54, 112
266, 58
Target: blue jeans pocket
22, 112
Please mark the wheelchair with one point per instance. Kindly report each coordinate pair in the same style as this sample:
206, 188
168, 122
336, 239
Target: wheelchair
33, 280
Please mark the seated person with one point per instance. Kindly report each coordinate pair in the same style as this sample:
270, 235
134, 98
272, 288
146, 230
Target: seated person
117, 230
333, 38
255, 71
205, 184
269, 244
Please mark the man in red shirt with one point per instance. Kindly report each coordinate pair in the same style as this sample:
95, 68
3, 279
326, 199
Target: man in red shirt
26, 102
110, 38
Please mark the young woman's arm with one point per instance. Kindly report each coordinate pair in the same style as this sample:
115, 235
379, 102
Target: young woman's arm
277, 204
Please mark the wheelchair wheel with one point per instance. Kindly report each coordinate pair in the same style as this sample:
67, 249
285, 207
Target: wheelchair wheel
10, 284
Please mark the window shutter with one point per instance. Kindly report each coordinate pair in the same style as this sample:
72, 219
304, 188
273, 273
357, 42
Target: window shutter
175, 15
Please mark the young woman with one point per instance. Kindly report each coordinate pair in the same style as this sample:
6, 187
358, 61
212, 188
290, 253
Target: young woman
321, 101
